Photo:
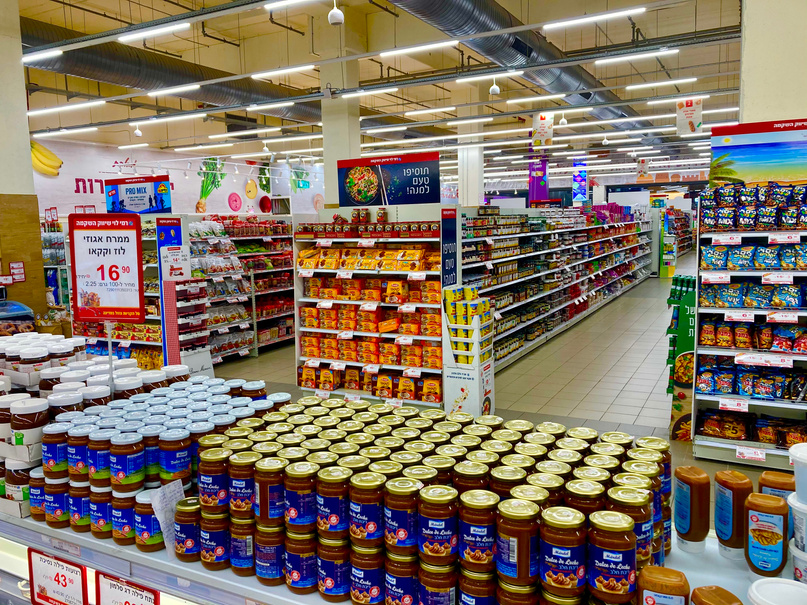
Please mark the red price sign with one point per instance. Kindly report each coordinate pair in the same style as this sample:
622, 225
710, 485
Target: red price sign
411, 372
324, 243
396, 403
344, 274
55, 581
306, 273
417, 276
407, 308
371, 368
767, 360
783, 317
727, 240
368, 306
367, 243
403, 340
110, 590
322, 394
784, 238
739, 315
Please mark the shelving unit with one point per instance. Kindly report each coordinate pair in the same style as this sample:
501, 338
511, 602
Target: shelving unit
677, 239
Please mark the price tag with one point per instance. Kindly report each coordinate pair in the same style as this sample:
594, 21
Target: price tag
407, 308
242, 299
715, 277
396, 403
55, 581
417, 276
767, 360
368, 306
345, 335
489, 241
237, 276
367, 243
783, 317
412, 372
784, 238
243, 326
224, 330
125, 344
497, 315
733, 404
68, 547
232, 300
244, 352
306, 273
777, 278
216, 360
371, 368
325, 304
727, 240
113, 591
312, 363
324, 243
739, 315
337, 366
403, 340
489, 265
351, 397
322, 394
344, 274
193, 290
266, 238
750, 453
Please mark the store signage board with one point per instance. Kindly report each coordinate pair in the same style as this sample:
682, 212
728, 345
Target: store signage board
579, 182
750, 453
733, 404
175, 263
390, 180
784, 238
107, 269
55, 581
138, 195
727, 240
777, 278
110, 590
448, 246
542, 128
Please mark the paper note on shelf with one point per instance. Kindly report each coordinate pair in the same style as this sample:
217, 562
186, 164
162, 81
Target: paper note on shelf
312, 363
371, 368
367, 243
164, 501
768, 360
733, 404
403, 340
416, 276
345, 335
783, 317
322, 394
715, 277
351, 397
407, 308
396, 403
777, 278
750, 453
325, 304
337, 366
306, 273
324, 243
344, 274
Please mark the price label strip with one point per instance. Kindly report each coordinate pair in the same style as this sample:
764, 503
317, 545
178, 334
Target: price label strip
715, 277
784, 238
324, 243
767, 360
777, 278
322, 394
367, 243
403, 340
739, 315
733, 404
110, 590
783, 317
55, 581
750, 453
727, 240
412, 372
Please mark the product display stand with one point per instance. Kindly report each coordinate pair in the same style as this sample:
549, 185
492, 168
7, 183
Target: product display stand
681, 355
677, 239
186, 331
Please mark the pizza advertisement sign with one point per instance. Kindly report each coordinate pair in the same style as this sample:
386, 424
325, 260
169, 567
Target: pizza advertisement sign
390, 180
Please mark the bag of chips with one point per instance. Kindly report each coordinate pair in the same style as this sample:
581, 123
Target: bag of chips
747, 195
758, 296
709, 220
801, 256
705, 382
766, 257
779, 194
740, 257
708, 198
763, 387
786, 297
724, 382
762, 194
742, 336
747, 217
763, 337
745, 382
725, 335
787, 257
800, 344
798, 194
766, 218
707, 337
706, 297
788, 218
726, 219
729, 295
783, 338
714, 257
780, 382
727, 196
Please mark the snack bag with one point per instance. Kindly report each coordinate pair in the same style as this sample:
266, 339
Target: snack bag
729, 295
766, 218
797, 386
801, 256
758, 296
742, 336
747, 195
724, 382
727, 196
714, 257
787, 257
706, 297
779, 194
740, 257
747, 217
786, 297
726, 219
709, 219
705, 382
801, 219
766, 257
788, 218
763, 337
800, 344
762, 194
763, 387
783, 338
780, 383
725, 335
708, 198
745, 382
707, 336
798, 195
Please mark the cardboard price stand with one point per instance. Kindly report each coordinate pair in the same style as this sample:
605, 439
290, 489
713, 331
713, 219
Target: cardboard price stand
110, 590
55, 581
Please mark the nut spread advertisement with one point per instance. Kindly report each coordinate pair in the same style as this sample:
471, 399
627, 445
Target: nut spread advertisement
390, 180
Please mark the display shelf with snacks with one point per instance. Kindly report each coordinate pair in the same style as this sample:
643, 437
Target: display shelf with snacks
750, 360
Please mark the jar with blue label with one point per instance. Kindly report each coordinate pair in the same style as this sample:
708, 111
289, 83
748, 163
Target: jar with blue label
438, 584
333, 570
242, 546
213, 481
766, 521
401, 578
36, 493
123, 512
477, 530
175, 456
242, 484
476, 588
151, 452
333, 504
367, 509
401, 515
214, 538
367, 575
511, 594
270, 554
562, 551
148, 533
101, 512
78, 503
301, 497
635, 502
270, 493
517, 542
127, 462
611, 563
77, 440
254, 389
54, 449
57, 513
438, 536
301, 562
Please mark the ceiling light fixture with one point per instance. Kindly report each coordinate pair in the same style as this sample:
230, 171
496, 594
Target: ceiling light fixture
647, 152
532, 99
636, 56
68, 107
282, 72
385, 129
568, 109
173, 90
594, 18
40, 56
673, 101
417, 49
720, 110
203, 147
563, 120
469, 121
270, 106
364, 93
504, 74
701, 148
168, 119
250, 155
154, 32
491, 151
64, 131
661, 83
133, 146
244, 133
717, 124
283, 4
308, 137
494, 89
420, 112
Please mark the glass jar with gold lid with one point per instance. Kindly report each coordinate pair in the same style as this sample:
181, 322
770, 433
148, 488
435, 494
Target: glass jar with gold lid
316, 444
585, 433
405, 432
267, 448
554, 467
392, 421
307, 430
401, 515
326, 422
645, 455
539, 438
555, 429
344, 448
238, 432
309, 400
435, 437
292, 408
452, 451
505, 478
470, 476
519, 461
478, 430
611, 565
517, 528
377, 430
462, 418
367, 509
406, 459
256, 424
531, 493
359, 405
300, 419
477, 538
490, 420
509, 594
393, 444
446, 426
421, 424
570, 457
469, 442
350, 426
301, 496
381, 408
273, 417
388, 468
209, 442
607, 463
433, 414
333, 502
490, 459
281, 428
406, 411
293, 454
592, 473
553, 484
357, 464
238, 445
533, 450
375, 453
651, 470
341, 414
332, 435
365, 417
425, 474
603, 448
585, 496
439, 530
502, 448
332, 404
443, 466
520, 426
360, 439
507, 435
636, 504
563, 530
323, 459
571, 443
420, 446
290, 439
261, 436
317, 411
619, 438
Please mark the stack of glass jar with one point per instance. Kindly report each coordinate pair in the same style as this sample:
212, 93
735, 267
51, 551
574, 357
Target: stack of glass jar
359, 501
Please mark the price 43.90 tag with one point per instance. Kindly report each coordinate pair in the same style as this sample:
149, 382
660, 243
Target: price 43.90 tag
55, 581
110, 590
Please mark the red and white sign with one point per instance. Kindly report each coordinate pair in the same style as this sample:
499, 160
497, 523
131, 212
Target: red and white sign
344, 274
727, 240
783, 317
396, 403
17, 270
407, 308
542, 129
371, 368
107, 268
175, 263
643, 167
322, 394
689, 116
368, 306
345, 335
403, 340
55, 581
324, 243
750, 453
739, 315
733, 404
6, 280
110, 590
792, 237
715, 277
337, 366
777, 278
411, 372
417, 276
768, 360
325, 304
306, 273
367, 243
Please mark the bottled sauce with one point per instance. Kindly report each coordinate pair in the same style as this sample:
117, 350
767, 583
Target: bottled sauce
470, 475
367, 575
123, 526
148, 534
366, 509
401, 578
691, 512
663, 585
438, 527
270, 554
214, 538
775, 483
505, 478
713, 595
101, 512
188, 516
766, 528
301, 562
301, 499
517, 542
213, 480
611, 567
477, 588
57, 513
731, 490
242, 552
562, 562
585, 496
333, 569
477, 530
242, 484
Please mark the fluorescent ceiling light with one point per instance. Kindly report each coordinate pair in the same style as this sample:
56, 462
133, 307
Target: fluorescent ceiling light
636, 57
565, 110
716, 124
675, 171
504, 74
491, 151
283, 71
308, 137
594, 168
203, 147
270, 106
594, 18
721, 110
168, 119
133, 146
514, 173
632, 148
506, 157
620, 141
486, 133
679, 162
648, 152
669, 101
420, 112
386, 129
692, 135
700, 143
251, 155
173, 90
68, 107
302, 151
283, 4
709, 154
45, 54
518, 142
417, 49
449, 167
538, 98
364, 93
154, 32
64, 131
244, 133
700, 147
660, 116
661, 83
469, 121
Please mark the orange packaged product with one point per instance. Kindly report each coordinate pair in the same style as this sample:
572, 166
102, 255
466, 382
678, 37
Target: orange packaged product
430, 351
307, 377
433, 363
412, 329
430, 317
368, 316
430, 286
348, 345
371, 294
358, 284
409, 265
389, 325
384, 385
415, 296
328, 293
431, 390
329, 324
397, 291
329, 379
307, 263
352, 294
315, 282
369, 344
388, 359
347, 313
328, 263
310, 322
368, 264
367, 326
329, 342
432, 298
431, 330
309, 312
412, 254
412, 361
389, 348
368, 382
334, 253
351, 253
348, 324
389, 254
328, 314
349, 263
352, 378
309, 253
388, 265
365, 357
415, 350
311, 351
405, 387
309, 341
350, 356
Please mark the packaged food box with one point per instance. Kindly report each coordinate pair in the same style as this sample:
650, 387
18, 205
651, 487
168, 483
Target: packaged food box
389, 325
431, 390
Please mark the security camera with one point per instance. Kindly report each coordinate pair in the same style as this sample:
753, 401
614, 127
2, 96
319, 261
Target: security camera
138, 132
336, 17
494, 89
563, 121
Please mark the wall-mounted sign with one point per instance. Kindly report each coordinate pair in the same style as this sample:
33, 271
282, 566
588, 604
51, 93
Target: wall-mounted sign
390, 181
139, 194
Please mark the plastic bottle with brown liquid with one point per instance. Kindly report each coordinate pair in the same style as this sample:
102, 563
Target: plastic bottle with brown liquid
731, 490
691, 510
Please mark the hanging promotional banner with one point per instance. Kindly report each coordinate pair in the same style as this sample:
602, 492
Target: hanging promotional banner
55, 581
110, 590
580, 183
643, 167
448, 246
542, 126
107, 269
538, 187
688, 116
138, 194
390, 181
173, 262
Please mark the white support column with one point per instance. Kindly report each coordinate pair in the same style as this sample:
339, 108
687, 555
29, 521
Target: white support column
773, 48
471, 187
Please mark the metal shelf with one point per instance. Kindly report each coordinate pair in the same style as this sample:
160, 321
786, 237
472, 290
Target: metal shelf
361, 302
726, 451
550, 232
363, 395
379, 240
784, 404
380, 365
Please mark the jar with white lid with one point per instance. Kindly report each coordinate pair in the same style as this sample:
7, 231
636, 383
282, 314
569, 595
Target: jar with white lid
223, 422
136, 407
159, 419
13, 357
158, 410
202, 396
96, 395
153, 379
79, 344
161, 392
213, 382
49, 377
241, 413
74, 376
95, 410
199, 416
181, 403
109, 423
100, 368
98, 380
80, 364
119, 364
61, 353
136, 416
198, 406
197, 379
65, 402
176, 423
219, 390
113, 412
28, 418
278, 398
178, 413
176, 373
255, 389
180, 385
218, 410
195, 388
125, 373
100, 358
128, 386
177, 395
67, 387
130, 426
34, 359
118, 404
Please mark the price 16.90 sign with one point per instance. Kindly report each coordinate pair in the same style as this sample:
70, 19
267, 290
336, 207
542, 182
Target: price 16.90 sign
107, 267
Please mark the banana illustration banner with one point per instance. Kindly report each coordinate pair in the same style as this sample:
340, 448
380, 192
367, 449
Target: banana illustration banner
44, 161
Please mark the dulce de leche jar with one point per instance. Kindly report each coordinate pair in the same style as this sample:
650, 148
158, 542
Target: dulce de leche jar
477, 530
333, 503
611, 567
270, 554
334, 570
517, 542
401, 497
188, 516
438, 540
563, 551
366, 509
270, 493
